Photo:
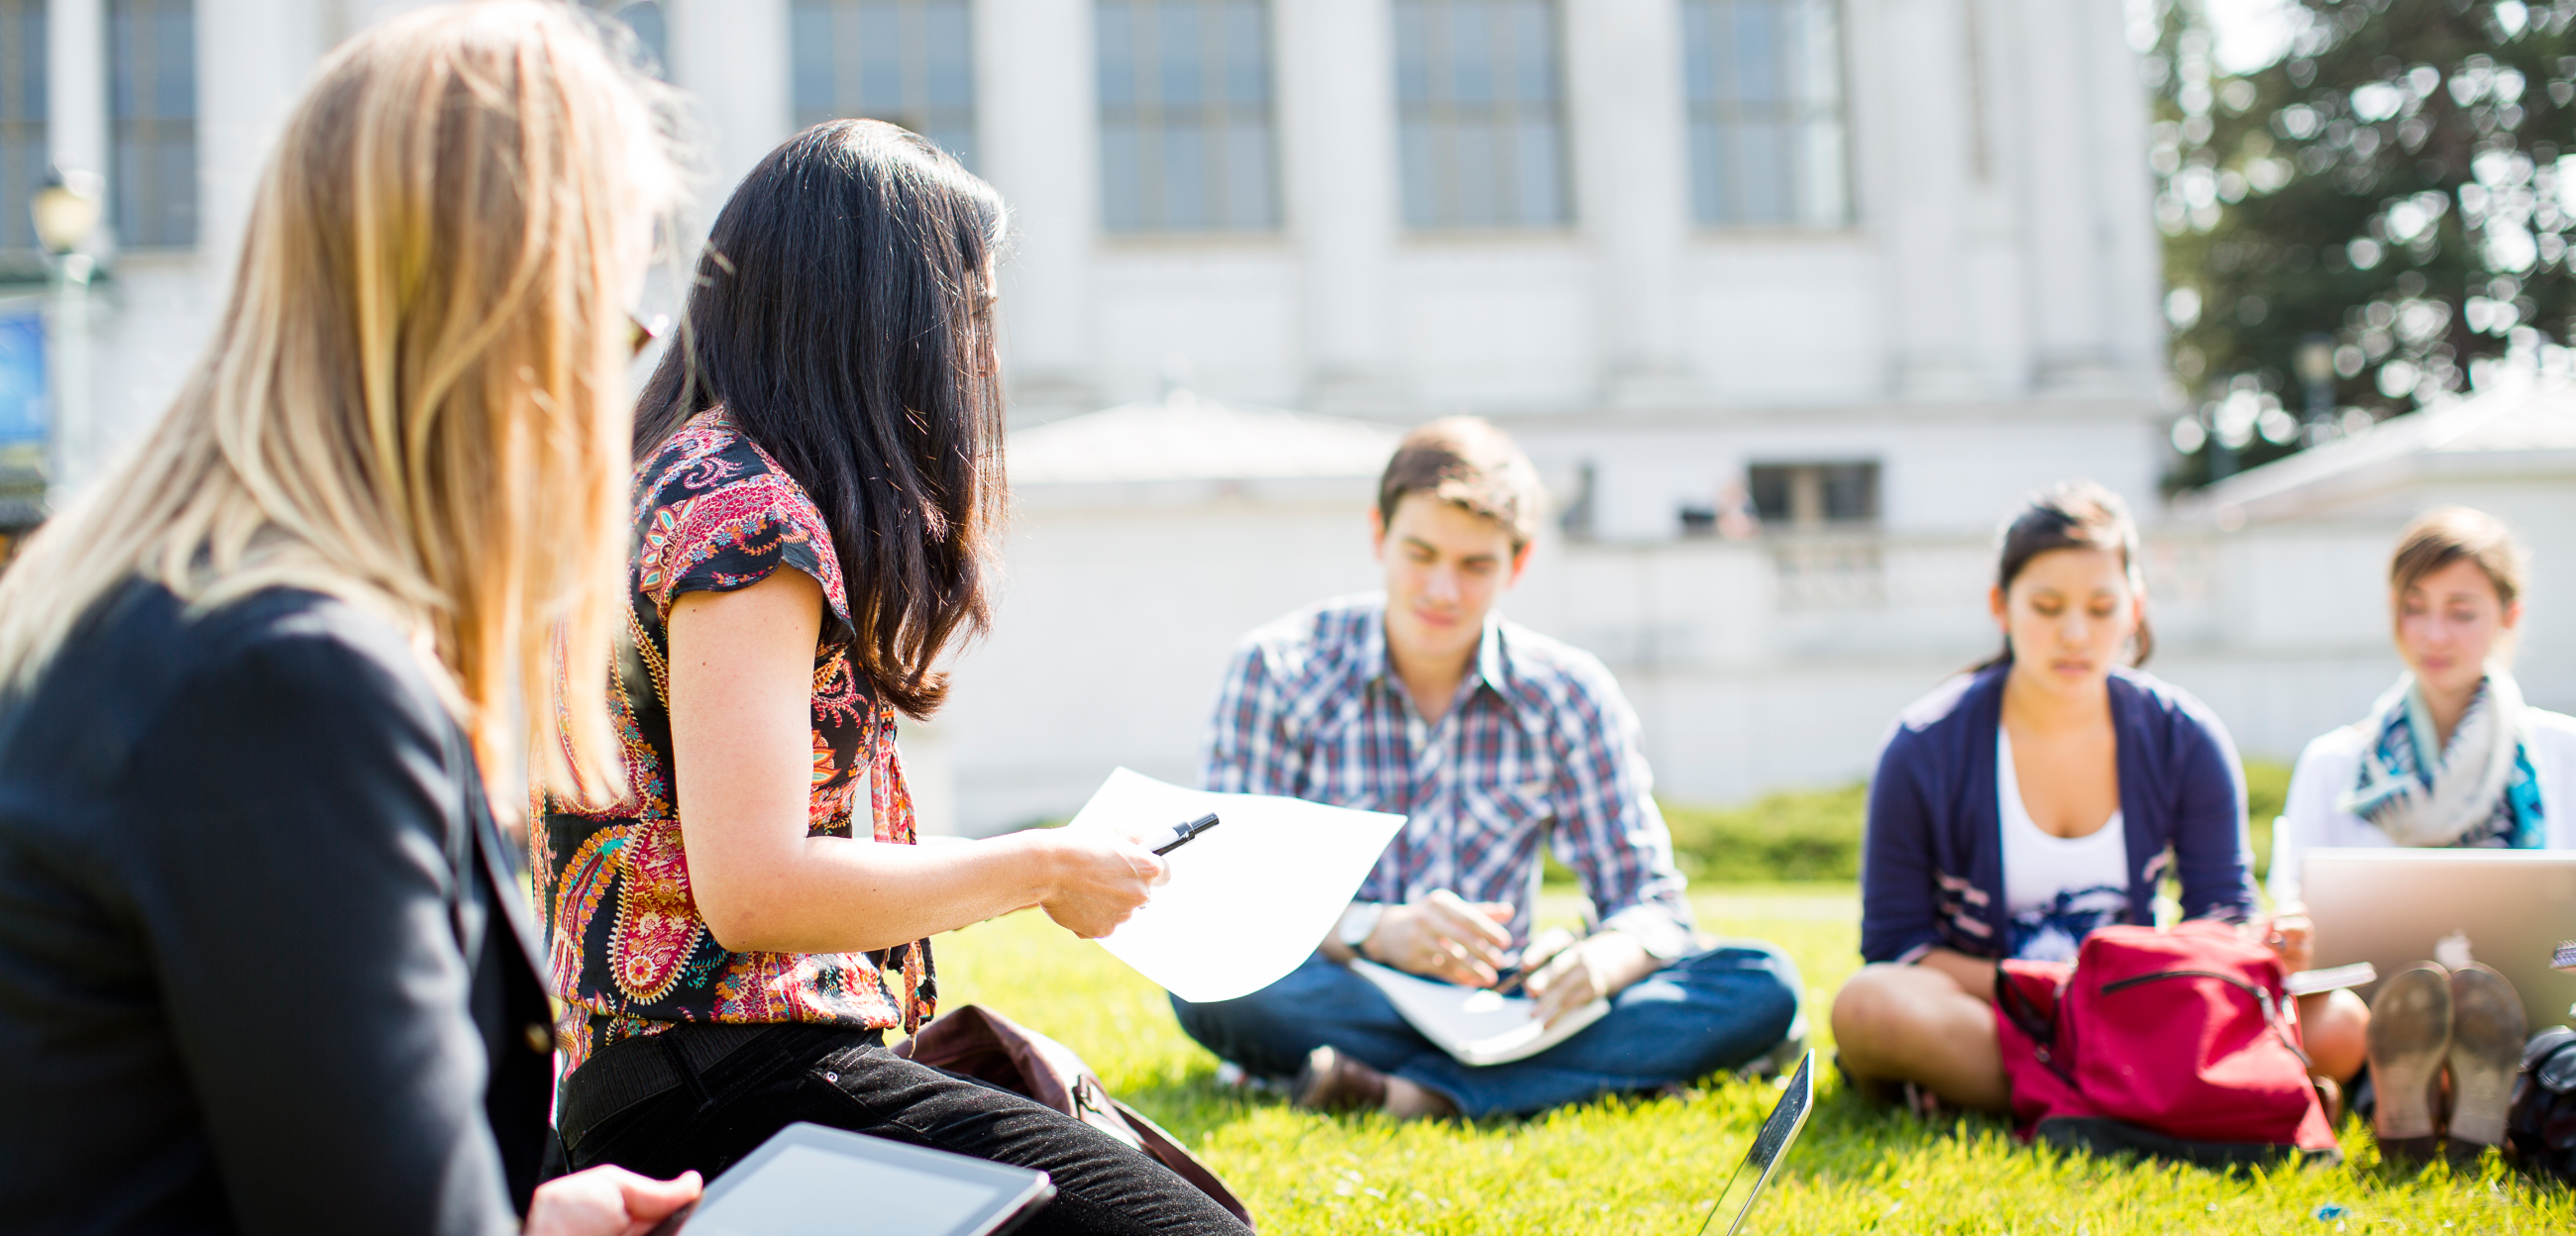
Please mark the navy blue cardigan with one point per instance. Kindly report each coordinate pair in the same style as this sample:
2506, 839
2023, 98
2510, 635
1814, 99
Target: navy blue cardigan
1932, 867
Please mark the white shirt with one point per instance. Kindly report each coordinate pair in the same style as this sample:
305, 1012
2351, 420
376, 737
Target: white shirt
2328, 768
2056, 889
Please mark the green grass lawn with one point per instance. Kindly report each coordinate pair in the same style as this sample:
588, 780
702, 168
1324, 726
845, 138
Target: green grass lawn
1654, 1166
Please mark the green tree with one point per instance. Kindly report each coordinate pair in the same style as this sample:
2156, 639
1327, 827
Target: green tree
2394, 199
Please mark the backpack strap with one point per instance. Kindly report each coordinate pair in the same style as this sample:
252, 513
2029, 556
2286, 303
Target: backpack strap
2025, 1015
2272, 1015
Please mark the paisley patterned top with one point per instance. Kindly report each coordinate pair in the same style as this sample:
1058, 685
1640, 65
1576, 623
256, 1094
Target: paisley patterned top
630, 954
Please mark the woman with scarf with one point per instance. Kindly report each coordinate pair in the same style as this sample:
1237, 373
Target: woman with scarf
2450, 756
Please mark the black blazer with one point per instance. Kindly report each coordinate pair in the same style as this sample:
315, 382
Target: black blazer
264, 963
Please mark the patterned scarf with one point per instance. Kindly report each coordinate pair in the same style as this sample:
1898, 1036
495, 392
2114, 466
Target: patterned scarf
2478, 791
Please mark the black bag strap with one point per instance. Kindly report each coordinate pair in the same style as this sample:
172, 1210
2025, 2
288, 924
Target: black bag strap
2027, 1018
2272, 1015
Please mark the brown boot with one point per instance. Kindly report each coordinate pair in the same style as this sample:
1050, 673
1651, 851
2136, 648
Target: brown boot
2487, 1032
1332, 1082
2410, 1038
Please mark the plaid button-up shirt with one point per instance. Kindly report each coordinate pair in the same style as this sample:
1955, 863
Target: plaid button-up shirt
1538, 746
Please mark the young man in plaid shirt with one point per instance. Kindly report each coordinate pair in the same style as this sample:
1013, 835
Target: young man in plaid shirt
1492, 739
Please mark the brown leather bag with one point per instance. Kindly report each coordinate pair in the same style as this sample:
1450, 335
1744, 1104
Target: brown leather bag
977, 1042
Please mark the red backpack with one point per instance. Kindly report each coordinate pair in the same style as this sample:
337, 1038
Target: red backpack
2176, 1043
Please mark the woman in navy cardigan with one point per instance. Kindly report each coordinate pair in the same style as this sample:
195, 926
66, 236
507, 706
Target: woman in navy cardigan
2030, 801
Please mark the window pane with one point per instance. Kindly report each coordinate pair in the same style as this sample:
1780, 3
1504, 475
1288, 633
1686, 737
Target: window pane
1765, 96
1537, 178
1762, 172
1412, 54
1247, 67
1179, 52
1121, 179
810, 49
1414, 141
23, 161
1471, 54
906, 62
152, 117
1247, 177
1185, 115
643, 19
1472, 144
1481, 125
1185, 177
950, 50
881, 60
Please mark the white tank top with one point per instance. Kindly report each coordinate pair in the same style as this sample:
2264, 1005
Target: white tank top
2056, 889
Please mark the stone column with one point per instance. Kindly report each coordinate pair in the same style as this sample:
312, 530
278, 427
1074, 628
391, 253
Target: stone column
76, 84
1037, 122
253, 63
733, 56
2061, 210
1910, 123
1336, 115
1631, 188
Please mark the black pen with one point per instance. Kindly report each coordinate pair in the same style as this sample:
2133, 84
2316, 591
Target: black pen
1183, 833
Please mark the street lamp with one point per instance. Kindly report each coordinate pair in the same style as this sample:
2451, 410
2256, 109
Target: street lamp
2315, 363
66, 211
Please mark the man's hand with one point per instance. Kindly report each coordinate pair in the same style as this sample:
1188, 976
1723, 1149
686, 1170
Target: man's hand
607, 1201
1444, 936
1596, 967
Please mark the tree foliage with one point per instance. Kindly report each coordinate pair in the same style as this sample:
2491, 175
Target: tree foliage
2396, 195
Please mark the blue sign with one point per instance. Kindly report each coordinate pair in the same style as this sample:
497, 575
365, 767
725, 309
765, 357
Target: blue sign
24, 402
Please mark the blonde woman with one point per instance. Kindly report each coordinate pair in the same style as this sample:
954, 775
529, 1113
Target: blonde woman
264, 965
2449, 756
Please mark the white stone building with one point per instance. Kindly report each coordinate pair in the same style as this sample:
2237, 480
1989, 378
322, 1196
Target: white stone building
1876, 266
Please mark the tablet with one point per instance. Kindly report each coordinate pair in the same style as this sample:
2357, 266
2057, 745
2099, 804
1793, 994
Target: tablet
813, 1181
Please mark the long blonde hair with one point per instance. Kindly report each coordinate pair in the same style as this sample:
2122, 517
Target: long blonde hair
415, 399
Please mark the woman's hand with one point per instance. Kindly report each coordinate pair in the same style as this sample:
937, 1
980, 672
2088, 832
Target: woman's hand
1444, 936
1098, 879
607, 1201
2291, 935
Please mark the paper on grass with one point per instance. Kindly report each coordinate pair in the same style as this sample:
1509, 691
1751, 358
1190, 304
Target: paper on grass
1473, 1024
1249, 899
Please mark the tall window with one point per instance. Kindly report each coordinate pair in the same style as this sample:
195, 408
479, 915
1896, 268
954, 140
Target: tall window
1481, 116
652, 33
22, 117
152, 114
1185, 127
1764, 83
908, 62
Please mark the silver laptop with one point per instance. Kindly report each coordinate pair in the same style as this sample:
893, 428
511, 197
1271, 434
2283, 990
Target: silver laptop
1778, 1130
2395, 907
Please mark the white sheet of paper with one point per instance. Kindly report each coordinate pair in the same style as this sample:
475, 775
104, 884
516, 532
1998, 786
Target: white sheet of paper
1472, 1024
1249, 899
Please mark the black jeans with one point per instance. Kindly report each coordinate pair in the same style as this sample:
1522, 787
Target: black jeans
844, 1080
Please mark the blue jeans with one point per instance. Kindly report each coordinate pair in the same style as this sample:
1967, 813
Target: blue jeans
1716, 1010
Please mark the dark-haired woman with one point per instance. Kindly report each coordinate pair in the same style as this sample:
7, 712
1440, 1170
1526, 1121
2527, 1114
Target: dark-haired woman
2026, 803
820, 469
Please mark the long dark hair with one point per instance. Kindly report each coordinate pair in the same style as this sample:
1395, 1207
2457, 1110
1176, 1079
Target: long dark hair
843, 316
2071, 515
